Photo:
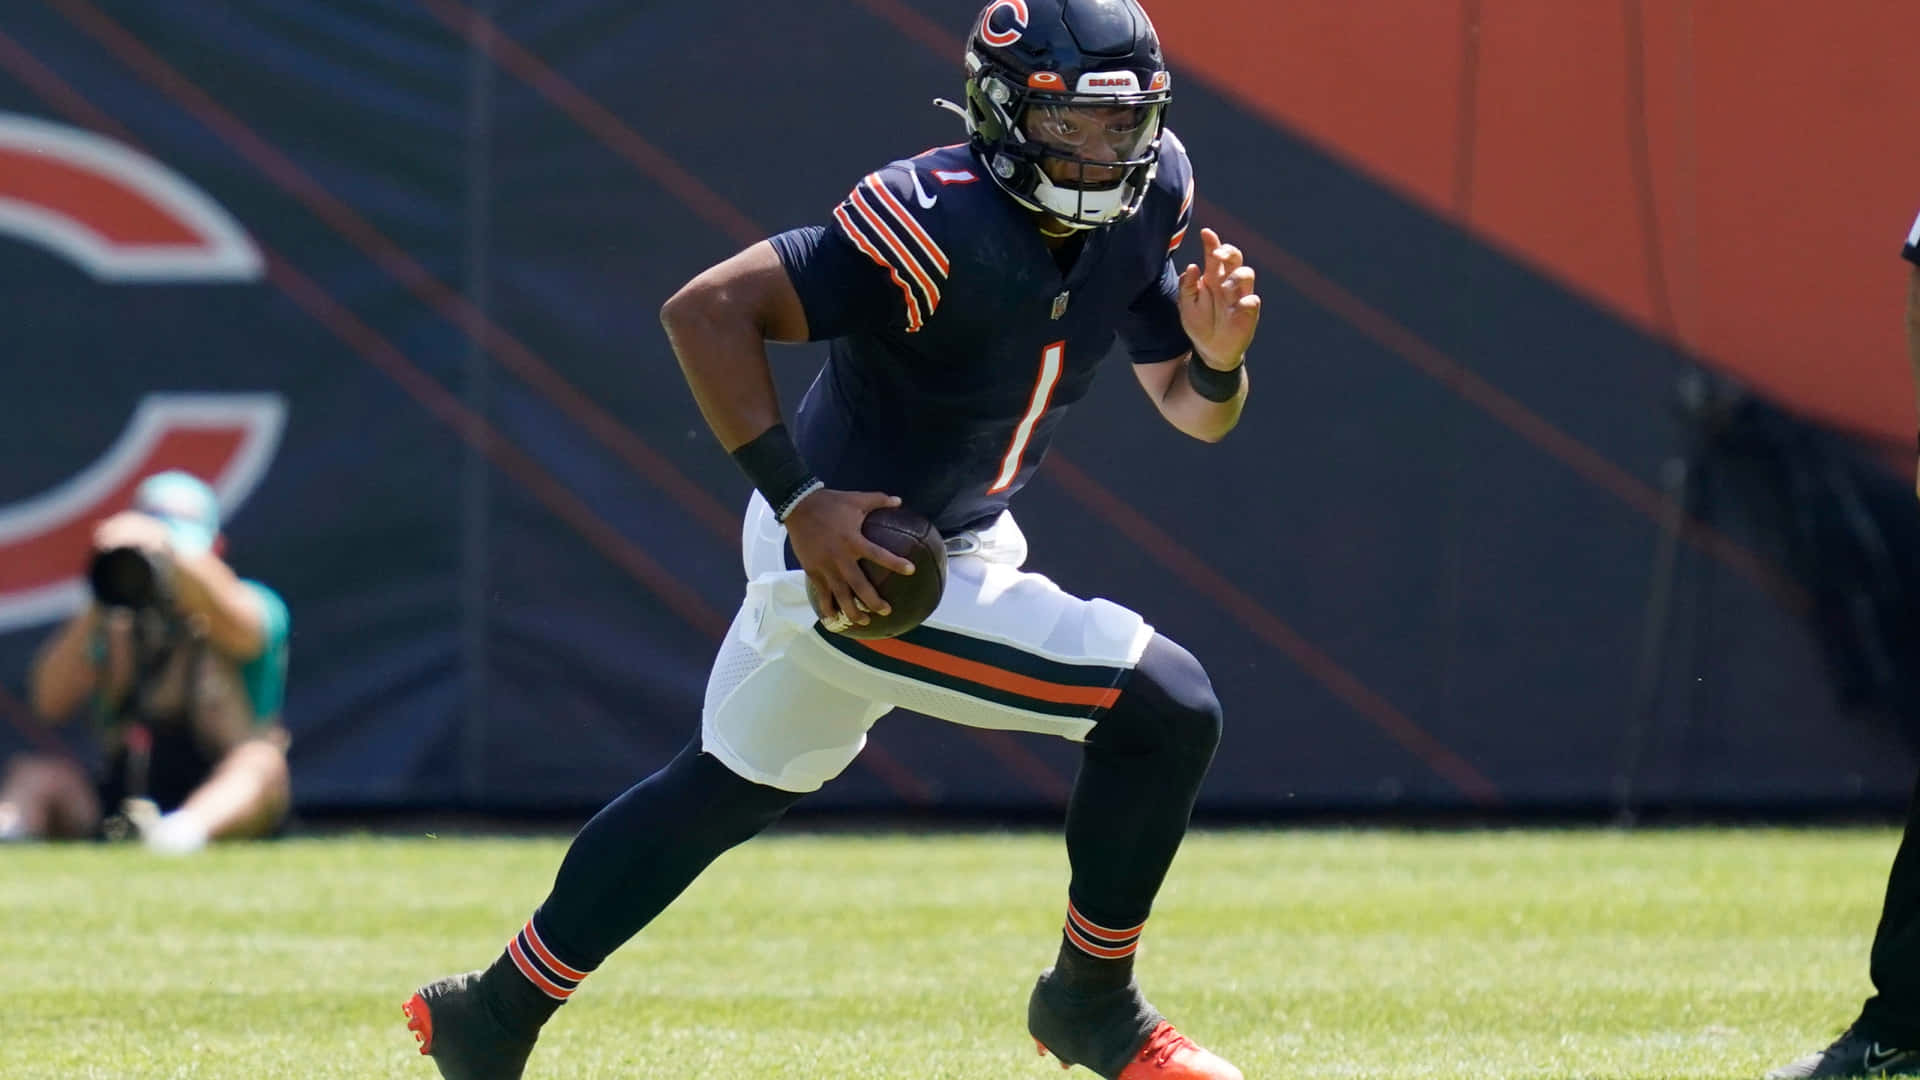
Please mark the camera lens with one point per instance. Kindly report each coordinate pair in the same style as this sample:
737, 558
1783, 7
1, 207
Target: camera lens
123, 577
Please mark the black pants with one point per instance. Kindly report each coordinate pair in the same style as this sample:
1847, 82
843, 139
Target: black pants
1892, 1014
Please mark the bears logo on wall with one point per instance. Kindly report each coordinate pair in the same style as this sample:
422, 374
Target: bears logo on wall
122, 218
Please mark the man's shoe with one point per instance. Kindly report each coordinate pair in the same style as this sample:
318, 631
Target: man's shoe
1852, 1054
1116, 1033
454, 1027
1169, 1055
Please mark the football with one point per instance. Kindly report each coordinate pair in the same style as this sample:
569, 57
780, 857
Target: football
912, 596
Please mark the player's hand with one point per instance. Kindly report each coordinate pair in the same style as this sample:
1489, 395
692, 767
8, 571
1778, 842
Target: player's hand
825, 532
130, 528
1218, 307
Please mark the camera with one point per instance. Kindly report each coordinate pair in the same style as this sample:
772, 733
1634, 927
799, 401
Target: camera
129, 577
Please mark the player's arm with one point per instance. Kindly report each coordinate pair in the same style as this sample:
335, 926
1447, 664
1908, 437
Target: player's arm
1179, 389
719, 325
1203, 391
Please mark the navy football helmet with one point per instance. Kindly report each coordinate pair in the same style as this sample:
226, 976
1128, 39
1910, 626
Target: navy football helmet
1065, 104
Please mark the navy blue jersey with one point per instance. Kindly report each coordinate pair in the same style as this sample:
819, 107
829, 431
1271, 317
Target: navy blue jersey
957, 342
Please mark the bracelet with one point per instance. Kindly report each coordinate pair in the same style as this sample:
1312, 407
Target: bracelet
773, 463
780, 514
1212, 383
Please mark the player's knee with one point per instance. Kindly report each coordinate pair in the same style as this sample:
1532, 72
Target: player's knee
1168, 707
733, 807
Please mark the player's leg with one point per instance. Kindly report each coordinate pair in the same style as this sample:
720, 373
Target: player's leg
1892, 1015
770, 733
46, 796
623, 868
1885, 1039
1012, 651
640, 852
1139, 776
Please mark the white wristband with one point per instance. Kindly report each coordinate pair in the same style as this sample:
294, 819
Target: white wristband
781, 513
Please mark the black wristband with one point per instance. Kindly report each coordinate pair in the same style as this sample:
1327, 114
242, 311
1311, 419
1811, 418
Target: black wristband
773, 463
1212, 383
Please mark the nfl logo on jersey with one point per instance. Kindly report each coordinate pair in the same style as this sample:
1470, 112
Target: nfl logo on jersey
1060, 304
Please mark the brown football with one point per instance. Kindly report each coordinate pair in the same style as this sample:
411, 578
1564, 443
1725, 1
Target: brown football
912, 596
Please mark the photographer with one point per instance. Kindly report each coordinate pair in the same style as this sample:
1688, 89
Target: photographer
182, 667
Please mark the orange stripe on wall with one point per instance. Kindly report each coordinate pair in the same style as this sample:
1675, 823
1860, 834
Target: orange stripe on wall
1779, 139
988, 675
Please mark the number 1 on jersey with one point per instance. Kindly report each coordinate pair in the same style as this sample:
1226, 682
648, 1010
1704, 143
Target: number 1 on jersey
1051, 359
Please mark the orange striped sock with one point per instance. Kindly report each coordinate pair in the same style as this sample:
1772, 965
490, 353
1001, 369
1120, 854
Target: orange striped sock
1096, 954
545, 971
528, 982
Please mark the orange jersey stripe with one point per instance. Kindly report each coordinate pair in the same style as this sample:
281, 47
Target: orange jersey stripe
540, 949
860, 241
988, 675
899, 248
932, 249
1186, 205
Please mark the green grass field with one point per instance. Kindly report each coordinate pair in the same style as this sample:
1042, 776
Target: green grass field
1311, 953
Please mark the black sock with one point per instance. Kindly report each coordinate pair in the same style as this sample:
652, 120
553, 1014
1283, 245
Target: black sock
624, 867
1094, 956
527, 982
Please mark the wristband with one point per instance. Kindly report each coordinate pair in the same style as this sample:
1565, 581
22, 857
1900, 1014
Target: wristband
773, 463
1211, 383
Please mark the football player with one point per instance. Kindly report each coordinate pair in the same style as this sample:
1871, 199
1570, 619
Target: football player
1885, 1039
969, 294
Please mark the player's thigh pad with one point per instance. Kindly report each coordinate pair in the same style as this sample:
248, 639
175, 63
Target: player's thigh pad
771, 720
1005, 649
765, 717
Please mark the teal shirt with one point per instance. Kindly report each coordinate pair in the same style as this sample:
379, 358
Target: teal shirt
265, 675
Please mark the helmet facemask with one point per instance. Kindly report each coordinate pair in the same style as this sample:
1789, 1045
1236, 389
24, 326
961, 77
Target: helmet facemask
1085, 155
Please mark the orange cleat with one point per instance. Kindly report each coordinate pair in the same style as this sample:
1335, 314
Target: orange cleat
1169, 1055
